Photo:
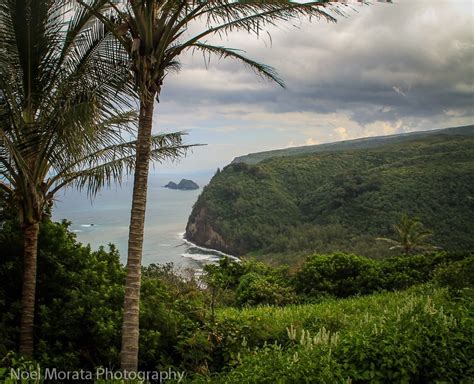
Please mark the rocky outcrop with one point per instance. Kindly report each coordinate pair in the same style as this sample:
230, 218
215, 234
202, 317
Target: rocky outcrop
184, 185
171, 185
200, 231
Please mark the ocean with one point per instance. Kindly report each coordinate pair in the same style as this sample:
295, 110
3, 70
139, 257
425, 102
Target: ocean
105, 220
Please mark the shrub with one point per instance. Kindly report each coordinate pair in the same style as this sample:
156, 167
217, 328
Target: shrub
417, 342
17, 363
401, 272
256, 289
80, 299
171, 314
338, 274
457, 275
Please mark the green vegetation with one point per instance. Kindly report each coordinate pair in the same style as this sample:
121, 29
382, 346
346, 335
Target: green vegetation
411, 236
456, 275
253, 322
80, 294
418, 336
286, 207
80, 299
66, 71
336, 275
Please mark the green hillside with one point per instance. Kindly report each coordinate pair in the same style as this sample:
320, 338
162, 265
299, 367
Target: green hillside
341, 200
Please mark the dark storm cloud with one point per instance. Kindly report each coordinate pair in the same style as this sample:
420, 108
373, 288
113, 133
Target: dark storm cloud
408, 60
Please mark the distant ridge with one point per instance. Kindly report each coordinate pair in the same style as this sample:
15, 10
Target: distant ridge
362, 143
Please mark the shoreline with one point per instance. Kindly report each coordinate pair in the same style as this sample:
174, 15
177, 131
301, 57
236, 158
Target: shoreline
219, 253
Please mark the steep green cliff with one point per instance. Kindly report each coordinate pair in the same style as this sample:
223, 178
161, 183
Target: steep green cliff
341, 200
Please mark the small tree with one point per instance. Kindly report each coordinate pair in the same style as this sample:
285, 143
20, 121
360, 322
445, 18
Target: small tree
411, 236
220, 277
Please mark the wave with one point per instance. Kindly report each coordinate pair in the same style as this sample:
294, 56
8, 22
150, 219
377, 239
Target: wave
201, 257
215, 251
87, 225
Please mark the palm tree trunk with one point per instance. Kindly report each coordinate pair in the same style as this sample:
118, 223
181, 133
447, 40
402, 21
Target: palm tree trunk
130, 325
30, 253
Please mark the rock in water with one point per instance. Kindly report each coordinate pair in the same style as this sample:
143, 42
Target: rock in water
171, 185
184, 185
187, 185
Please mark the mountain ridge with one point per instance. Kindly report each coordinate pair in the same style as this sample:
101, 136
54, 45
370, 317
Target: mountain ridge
359, 143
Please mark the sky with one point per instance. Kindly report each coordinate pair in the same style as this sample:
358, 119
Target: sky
383, 69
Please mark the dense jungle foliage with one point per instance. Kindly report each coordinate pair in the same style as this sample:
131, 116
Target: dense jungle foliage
335, 317
286, 207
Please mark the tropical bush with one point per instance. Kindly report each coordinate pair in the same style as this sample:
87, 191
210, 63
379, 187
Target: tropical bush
172, 312
256, 289
333, 275
400, 272
343, 275
457, 275
12, 361
339, 275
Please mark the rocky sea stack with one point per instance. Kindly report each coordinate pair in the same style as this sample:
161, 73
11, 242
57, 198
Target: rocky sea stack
184, 185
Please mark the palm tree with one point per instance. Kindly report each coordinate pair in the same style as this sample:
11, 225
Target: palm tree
64, 102
153, 34
411, 236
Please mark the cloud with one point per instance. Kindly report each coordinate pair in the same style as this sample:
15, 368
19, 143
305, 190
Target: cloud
399, 91
384, 69
311, 141
341, 133
454, 112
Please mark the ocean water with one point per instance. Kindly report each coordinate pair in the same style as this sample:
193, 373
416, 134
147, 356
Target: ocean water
105, 220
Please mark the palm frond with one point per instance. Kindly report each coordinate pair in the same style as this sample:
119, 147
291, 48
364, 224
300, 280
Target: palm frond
262, 70
153, 30
6, 188
390, 241
113, 163
65, 92
411, 235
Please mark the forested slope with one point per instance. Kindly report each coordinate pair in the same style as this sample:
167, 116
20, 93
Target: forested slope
341, 200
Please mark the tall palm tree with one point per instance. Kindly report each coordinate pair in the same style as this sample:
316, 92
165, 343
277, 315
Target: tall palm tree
64, 102
153, 34
412, 236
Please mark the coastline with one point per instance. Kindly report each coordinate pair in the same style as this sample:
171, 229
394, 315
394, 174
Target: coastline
217, 252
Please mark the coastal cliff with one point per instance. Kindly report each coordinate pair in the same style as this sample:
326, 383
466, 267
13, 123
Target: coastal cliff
199, 230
